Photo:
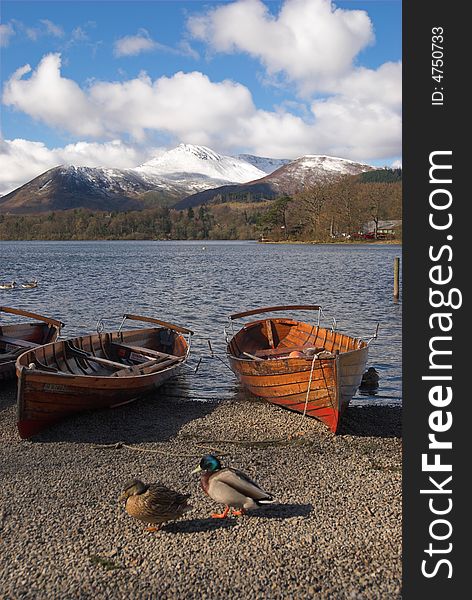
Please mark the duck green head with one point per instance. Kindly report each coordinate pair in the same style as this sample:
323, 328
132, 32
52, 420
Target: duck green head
208, 463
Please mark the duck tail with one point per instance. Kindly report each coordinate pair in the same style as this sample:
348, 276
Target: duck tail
268, 500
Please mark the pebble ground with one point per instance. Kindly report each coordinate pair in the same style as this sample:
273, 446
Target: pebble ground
335, 531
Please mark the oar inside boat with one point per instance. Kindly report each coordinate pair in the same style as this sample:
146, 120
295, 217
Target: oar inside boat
95, 371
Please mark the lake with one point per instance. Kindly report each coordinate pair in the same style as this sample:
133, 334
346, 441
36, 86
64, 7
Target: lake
197, 284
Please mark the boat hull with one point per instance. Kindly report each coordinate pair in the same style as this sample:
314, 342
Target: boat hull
315, 387
47, 397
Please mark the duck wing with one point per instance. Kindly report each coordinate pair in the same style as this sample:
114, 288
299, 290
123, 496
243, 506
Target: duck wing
159, 495
241, 483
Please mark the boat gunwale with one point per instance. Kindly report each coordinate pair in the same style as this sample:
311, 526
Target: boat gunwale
20, 368
287, 321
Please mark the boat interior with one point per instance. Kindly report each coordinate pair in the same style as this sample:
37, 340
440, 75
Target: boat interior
127, 353
277, 337
15, 339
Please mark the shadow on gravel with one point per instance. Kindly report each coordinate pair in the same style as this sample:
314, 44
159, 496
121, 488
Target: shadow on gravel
195, 525
372, 421
155, 418
7, 394
282, 511
278, 511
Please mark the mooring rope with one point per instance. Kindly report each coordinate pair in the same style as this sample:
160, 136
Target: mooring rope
120, 445
315, 356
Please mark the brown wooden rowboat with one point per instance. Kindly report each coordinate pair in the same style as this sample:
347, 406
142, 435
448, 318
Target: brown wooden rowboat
319, 382
16, 338
96, 371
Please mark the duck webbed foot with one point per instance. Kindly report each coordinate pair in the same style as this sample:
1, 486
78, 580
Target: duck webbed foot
223, 515
152, 528
238, 513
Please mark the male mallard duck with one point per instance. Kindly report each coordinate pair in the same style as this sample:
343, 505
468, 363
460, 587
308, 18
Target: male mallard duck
153, 503
230, 487
8, 286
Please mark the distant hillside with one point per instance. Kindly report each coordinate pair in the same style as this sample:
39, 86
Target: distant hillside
249, 192
64, 188
337, 211
381, 176
289, 179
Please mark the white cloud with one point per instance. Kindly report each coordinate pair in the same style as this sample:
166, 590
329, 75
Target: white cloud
310, 42
352, 128
78, 34
48, 97
22, 160
362, 121
52, 28
45, 27
132, 45
187, 105
383, 85
6, 32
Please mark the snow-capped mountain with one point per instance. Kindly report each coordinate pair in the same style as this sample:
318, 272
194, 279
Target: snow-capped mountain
302, 172
199, 163
171, 176
315, 168
268, 165
67, 187
184, 172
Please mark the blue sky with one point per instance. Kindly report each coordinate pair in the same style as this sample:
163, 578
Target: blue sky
112, 83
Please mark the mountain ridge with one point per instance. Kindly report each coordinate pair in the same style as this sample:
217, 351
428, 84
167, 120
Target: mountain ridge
288, 179
171, 178
177, 173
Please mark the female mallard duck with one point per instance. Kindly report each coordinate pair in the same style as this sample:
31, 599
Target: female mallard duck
153, 503
30, 284
230, 487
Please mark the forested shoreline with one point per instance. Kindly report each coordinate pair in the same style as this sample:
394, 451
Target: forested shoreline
328, 212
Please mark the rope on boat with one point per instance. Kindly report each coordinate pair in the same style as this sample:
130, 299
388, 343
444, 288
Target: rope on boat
120, 445
315, 356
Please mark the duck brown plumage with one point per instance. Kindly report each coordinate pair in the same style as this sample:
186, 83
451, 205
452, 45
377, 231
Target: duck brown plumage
154, 503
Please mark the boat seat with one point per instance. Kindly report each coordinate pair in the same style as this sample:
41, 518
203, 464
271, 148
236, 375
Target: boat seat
17, 342
145, 368
280, 351
145, 351
87, 356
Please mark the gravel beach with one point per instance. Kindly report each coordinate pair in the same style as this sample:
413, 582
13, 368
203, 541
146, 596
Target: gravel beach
335, 531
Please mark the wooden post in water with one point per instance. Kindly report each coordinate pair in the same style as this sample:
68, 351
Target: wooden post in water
396, 278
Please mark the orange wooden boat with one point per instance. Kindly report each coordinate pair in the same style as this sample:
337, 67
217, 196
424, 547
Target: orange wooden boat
96, 371
300, 366
16, 338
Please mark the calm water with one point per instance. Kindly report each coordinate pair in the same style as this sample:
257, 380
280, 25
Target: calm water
198, 284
